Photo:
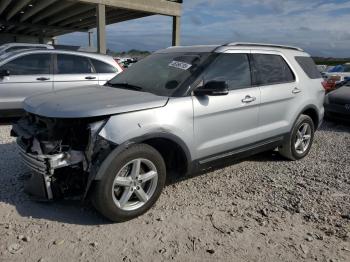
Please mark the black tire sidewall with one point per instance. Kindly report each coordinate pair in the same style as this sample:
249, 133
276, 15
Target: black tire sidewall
102, 197
301, 120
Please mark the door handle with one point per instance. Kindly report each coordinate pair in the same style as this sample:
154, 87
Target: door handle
42, 79
248, 99
90, 77
296, 91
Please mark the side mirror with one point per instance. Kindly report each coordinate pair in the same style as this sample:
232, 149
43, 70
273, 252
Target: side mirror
4, 73
212, 88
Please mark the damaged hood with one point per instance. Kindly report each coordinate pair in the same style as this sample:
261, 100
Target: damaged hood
91, 101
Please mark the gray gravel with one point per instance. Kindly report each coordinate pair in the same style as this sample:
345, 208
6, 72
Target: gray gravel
261, 209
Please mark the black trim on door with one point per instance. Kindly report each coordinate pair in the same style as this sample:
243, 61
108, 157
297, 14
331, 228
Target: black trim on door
241, 152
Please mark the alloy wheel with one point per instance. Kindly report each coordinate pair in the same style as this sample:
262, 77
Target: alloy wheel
303, 138
134, 184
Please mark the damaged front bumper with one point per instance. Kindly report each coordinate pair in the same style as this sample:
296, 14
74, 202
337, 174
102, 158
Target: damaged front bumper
45, 165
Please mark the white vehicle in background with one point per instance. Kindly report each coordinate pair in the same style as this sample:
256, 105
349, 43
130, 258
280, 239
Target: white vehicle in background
10, 47
27, 72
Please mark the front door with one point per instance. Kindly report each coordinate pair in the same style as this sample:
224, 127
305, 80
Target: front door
225, 123
28, 75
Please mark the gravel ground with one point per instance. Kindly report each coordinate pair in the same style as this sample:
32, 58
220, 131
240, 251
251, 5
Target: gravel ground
260, 209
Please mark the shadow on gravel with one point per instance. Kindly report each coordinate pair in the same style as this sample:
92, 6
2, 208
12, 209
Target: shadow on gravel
7, 121
335, 126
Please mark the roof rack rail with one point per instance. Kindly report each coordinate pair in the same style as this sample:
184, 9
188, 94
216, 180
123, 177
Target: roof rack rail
264, 45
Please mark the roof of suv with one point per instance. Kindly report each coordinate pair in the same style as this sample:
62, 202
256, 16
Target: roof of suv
236, 45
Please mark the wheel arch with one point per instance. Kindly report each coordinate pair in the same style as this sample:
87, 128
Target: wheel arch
161, 142
312, 112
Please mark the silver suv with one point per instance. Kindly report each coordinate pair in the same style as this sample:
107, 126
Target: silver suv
175, 112
27, 72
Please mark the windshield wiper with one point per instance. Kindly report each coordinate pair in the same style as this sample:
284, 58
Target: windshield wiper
124, 85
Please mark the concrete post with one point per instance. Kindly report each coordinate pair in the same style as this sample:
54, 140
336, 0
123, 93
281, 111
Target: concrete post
101, 28
176, 30
54, 40
91, 38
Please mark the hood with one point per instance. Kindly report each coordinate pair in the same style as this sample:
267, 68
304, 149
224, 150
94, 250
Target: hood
90, 101
340, 96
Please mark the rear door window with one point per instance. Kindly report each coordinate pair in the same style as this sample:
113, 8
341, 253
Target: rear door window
73, 64
35, 64
309, 67
232, 68
103, 68
271, 69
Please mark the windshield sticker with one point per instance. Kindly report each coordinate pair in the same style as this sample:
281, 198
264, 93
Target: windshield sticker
180, 65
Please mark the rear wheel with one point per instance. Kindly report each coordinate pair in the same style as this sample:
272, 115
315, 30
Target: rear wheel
131, 184
300, 140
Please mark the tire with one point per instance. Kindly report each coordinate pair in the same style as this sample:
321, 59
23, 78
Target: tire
289, 149
111, 192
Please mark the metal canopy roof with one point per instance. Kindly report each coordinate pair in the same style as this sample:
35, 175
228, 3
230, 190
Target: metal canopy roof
48, 18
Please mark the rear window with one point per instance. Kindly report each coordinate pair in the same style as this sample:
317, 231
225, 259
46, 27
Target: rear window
271, 69
309, 66
72, 64
103, 68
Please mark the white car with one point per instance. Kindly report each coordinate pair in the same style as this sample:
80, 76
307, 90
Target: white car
10, 47
27, 72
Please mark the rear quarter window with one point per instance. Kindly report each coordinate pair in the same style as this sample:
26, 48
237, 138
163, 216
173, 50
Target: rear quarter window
103, 68
309, 66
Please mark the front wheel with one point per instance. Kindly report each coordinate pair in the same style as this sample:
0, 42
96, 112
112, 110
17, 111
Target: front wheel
131, 183
300, 139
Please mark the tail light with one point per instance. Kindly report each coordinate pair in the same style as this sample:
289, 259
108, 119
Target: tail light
329, 84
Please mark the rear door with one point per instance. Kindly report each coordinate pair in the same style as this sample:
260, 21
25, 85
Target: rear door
225, 123
73, 71
29, 75
279, 89
105, 71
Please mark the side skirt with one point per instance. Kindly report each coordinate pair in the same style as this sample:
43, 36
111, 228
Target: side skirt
238, 153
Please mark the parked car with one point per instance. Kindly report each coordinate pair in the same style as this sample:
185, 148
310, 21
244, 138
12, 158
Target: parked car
322, 68
175, 112
337, 103
127, 62
338, 73
10, 47
27, 72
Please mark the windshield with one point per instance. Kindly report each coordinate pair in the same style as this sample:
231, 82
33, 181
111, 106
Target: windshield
160, 74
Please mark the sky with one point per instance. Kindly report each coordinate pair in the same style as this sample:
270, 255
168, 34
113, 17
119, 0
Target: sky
321, 27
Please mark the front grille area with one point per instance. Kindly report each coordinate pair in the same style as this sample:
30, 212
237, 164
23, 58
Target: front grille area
35, 163
40, 163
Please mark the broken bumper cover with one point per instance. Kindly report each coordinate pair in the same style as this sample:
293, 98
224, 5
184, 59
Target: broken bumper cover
46, 165
42, 164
